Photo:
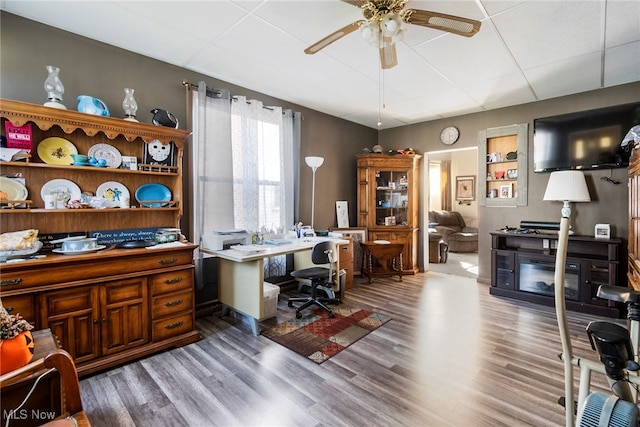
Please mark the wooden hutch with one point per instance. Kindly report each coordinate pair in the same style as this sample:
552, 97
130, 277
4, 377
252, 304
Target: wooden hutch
114, 305
388, 201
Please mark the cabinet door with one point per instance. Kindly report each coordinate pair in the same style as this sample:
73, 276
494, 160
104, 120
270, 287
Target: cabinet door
72, 316
363, 197
346, 262
124, 315
597, 273
23, 305
503, 270
633, 274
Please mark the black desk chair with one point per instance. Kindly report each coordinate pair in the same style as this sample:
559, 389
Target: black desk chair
322, 253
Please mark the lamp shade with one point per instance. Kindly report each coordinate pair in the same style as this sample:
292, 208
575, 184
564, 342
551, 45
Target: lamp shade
314, 161
567, 186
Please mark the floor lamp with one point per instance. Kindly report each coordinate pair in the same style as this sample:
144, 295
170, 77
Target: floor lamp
314, 163
565, 187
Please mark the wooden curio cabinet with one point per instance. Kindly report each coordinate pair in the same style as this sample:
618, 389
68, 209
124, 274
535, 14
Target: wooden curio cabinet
118, 304
388, 201
634, 221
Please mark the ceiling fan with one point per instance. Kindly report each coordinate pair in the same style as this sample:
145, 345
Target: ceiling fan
382, 26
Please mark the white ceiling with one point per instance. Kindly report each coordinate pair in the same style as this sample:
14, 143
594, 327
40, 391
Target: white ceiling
525, 50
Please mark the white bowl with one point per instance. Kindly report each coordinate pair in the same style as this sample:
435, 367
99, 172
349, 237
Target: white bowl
79, 245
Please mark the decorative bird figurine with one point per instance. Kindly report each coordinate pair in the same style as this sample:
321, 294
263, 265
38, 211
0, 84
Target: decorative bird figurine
164, 118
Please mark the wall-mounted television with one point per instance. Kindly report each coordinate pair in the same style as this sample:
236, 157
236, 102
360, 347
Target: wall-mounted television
583, 140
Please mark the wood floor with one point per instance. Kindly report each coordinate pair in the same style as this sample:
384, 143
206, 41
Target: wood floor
452, 355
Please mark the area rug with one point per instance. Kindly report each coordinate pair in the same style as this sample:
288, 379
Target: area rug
318, 337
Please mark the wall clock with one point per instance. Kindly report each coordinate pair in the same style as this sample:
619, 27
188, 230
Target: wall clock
449, 135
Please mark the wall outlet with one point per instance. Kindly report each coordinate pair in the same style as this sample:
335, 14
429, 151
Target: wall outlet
545, 243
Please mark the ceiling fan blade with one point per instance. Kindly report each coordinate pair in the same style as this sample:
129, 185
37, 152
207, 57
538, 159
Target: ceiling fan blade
336, 35
388, 56
441, 21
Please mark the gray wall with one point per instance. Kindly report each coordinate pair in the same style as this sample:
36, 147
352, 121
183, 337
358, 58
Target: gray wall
88, 67
609, 202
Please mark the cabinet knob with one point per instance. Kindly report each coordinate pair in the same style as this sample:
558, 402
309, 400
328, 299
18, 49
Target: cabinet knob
95, 321
104, 320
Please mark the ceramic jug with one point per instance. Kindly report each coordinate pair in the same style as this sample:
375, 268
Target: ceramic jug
90, 105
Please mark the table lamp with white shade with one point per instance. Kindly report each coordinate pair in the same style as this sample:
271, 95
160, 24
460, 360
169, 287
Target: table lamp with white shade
566, 187
314, 163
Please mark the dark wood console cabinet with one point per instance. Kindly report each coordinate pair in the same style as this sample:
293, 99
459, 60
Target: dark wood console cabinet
523, 266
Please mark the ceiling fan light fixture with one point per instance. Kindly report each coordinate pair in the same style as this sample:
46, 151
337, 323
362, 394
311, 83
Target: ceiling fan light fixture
391, 24
371, 32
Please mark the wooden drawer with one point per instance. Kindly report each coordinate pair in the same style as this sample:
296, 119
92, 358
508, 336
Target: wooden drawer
69, 301
21, 304
170, 304
346, 253
171, 281
172, 326
59, 269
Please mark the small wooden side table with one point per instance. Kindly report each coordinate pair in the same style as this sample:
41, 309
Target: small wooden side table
382, 259
44, 404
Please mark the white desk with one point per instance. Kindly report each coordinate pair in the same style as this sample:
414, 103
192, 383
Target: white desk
241, 273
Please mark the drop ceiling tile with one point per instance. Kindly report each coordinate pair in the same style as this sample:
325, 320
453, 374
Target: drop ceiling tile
622, 64
456, 56
573, 75
196, 18
501, 91
622, 16
543, 32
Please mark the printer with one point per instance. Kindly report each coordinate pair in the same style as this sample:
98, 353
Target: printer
219, 240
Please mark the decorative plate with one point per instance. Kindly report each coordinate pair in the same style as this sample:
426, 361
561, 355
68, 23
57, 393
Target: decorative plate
83, 251
153, 193
107, 152
62, 189
113, 193
56, 151
132, 244
11, 189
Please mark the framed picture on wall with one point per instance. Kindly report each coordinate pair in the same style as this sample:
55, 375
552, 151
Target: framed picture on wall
358, 234
466, 187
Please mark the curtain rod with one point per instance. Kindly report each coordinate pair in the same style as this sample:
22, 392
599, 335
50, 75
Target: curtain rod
218, 94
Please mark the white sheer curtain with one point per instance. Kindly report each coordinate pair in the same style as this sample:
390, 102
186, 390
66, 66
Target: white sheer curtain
244, 167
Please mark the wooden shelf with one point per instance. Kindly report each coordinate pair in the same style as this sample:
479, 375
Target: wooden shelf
20, 113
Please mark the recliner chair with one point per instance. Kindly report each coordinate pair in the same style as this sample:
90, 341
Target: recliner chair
322, 253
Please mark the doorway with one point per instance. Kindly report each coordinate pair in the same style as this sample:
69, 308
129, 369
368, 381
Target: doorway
443, 168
